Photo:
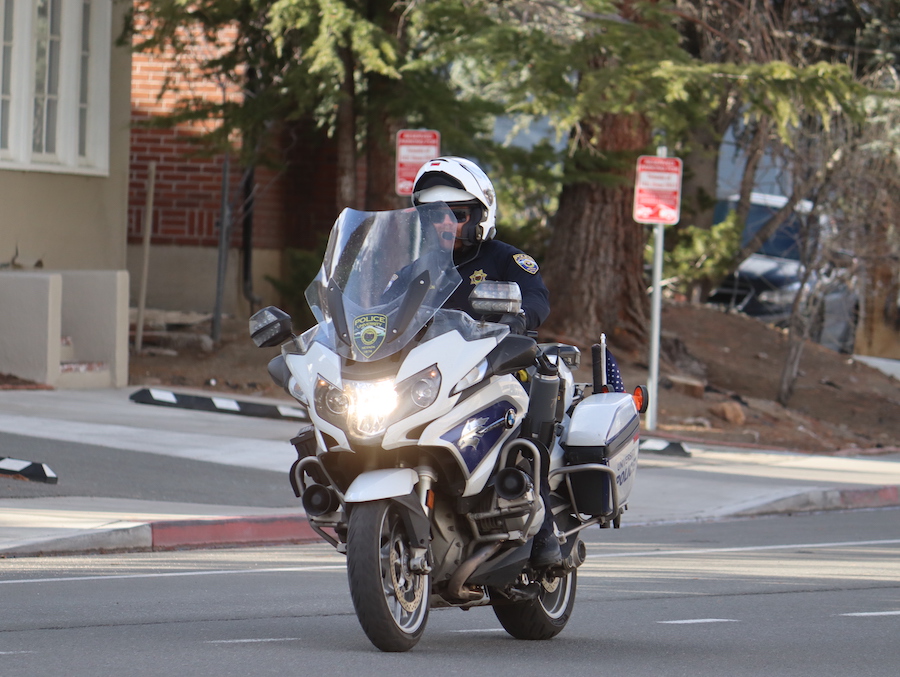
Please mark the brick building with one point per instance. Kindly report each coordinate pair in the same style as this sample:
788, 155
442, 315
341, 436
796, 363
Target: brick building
291, 207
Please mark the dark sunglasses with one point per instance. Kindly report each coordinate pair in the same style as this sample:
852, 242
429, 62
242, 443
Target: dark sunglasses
461, 214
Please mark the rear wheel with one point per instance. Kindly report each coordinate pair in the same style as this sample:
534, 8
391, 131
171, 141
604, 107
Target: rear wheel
391, 601
546, 615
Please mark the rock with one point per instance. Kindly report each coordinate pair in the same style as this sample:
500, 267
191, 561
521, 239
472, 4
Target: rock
689, 386
729, 411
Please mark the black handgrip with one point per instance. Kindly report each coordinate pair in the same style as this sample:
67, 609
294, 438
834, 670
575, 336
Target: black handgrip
545, 367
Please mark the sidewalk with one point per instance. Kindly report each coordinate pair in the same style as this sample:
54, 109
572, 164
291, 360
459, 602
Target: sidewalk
209, 457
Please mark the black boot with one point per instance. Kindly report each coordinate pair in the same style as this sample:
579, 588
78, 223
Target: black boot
545, 551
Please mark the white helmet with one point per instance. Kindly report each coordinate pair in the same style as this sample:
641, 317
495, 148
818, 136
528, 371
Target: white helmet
456, 180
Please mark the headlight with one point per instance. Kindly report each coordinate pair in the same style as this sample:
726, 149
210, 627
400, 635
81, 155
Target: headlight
370, 404
366, 408
420, 390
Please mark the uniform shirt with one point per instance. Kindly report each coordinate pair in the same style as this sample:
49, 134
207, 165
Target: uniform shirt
501, 262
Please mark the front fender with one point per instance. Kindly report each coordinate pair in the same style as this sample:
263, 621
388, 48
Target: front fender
378, 484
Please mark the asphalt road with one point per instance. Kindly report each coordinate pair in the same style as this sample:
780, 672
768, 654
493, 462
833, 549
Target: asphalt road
94, 470
791, 595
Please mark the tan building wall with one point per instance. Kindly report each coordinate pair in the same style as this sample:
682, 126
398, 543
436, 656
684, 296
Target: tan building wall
184, 278
71, 221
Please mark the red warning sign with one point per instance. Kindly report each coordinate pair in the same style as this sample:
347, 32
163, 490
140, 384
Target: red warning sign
415, 147
657, 190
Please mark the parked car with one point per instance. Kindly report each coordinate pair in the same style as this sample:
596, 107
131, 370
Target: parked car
766, 283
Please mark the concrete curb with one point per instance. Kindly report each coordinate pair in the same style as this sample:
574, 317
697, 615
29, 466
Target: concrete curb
176, 534
816, 500
264, 530
269, 530
750, 446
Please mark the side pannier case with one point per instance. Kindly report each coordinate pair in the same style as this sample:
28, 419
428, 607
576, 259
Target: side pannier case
601, 453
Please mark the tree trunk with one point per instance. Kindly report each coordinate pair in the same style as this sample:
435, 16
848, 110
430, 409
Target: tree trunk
381, 158
595, 261
805, 311
381, 145
346, 137
383, 120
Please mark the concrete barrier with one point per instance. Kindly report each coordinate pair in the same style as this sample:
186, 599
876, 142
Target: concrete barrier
85, 309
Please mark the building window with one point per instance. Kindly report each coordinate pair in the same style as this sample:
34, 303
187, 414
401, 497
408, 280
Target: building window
84, 78
54, 85
6, 31
46, 75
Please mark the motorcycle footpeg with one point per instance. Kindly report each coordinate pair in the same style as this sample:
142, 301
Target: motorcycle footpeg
530, 591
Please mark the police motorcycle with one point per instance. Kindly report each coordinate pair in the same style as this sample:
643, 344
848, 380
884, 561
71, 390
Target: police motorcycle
434, 435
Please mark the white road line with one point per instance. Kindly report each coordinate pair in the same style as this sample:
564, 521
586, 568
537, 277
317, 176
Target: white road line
12, 653
749, 548
653, 553
874, 613
700, 620
478, 630
223, 572
252, 641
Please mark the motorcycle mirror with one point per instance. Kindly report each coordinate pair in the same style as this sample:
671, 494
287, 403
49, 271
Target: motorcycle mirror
270, 327
496, 298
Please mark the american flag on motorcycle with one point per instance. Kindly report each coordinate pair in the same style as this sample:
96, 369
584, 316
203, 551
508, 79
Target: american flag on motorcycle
613, 377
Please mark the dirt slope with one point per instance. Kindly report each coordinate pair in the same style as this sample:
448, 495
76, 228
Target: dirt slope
838, 404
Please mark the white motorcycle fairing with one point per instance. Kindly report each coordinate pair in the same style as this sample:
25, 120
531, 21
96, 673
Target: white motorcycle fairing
475, 430
385, 483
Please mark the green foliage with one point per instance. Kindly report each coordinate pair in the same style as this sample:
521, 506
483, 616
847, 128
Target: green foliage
453, 65
301, 267
774, 90
701, 254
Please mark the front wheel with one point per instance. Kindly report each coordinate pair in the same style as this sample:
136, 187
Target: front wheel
391, 601
544, 616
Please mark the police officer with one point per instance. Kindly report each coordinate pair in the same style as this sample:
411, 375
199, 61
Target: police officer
469, 194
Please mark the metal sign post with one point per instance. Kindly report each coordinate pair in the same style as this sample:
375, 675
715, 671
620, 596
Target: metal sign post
657, 201
415, 147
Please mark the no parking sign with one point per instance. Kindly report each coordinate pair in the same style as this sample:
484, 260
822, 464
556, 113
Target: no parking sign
657, 190
415, 147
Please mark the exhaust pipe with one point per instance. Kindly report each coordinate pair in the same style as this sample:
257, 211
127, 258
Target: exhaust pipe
319, 500
456, 584
576, 557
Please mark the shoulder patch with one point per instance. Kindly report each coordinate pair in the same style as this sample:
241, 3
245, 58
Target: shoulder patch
526, 263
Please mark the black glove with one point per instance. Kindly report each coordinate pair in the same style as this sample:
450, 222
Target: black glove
516, 323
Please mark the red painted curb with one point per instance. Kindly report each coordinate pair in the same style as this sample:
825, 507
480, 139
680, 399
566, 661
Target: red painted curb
878, 497
232, 531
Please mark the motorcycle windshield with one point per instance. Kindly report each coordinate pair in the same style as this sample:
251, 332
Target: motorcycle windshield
384, 276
